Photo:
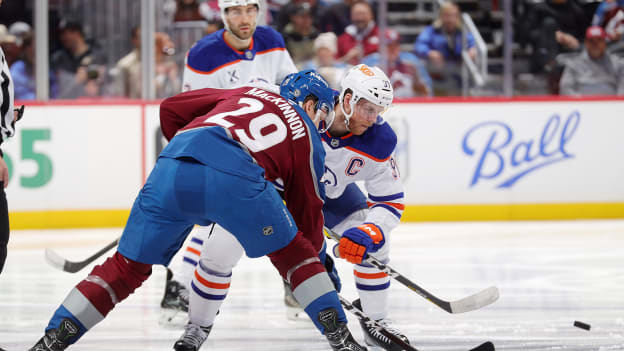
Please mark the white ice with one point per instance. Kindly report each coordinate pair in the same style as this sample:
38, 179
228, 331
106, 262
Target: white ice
549, 275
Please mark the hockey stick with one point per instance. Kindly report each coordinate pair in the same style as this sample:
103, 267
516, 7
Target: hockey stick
364, 318
470, 303
63, 264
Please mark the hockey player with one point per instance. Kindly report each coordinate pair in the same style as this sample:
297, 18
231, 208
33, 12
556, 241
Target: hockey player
231, 57
228, 146
239, 53
360, 147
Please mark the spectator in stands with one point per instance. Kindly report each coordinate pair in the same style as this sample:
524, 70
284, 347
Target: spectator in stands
127, 72
23, 72
9, 45
610, 15
299, 34
78, 64
441, 42
553, 27
336, 17
20, 30
441, 45
594, 71
282, 18
324, 62
361, 37
210, 11
187, 10
406, 71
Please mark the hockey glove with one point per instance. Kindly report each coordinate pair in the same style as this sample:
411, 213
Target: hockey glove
357, 242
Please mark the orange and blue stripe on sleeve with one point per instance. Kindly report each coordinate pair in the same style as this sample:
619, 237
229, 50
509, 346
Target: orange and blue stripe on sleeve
393, 203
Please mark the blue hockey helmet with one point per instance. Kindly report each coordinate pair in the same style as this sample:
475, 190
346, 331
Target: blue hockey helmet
298, 86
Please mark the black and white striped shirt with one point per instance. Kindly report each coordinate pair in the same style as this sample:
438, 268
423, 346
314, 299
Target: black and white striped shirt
7, 124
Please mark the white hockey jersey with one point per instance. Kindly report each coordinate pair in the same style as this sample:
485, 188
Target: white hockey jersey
213, 63
368, 158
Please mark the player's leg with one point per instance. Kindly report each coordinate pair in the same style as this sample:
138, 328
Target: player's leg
347, 211
154, 232
209, 287
255, 214
180, 273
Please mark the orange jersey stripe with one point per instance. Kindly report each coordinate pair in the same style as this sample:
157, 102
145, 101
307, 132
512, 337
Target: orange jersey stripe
209, 284
392, 204
367, 155
369, 275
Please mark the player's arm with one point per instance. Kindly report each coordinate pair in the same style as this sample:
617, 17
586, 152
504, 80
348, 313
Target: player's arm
305, 194
179, 110
386, 205
386, 201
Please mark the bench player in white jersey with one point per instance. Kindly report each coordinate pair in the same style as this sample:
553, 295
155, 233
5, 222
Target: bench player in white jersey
360, 148
231, 57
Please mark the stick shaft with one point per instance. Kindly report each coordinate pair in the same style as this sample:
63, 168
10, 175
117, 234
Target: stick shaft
470, 303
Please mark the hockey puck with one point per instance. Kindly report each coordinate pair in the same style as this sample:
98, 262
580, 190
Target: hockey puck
582, 325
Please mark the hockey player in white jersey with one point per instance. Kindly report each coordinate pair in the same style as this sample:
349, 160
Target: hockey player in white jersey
360, 147
240, 53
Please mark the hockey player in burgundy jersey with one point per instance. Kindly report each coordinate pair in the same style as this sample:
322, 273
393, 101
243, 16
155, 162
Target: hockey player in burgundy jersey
228, 146
231, 57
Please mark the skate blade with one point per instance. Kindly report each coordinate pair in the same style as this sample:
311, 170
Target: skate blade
170, 318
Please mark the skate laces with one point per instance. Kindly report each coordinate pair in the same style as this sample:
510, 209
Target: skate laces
193, 335
385, 323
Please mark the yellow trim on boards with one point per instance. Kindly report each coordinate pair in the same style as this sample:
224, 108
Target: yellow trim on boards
512, 212
68, 219
413, 213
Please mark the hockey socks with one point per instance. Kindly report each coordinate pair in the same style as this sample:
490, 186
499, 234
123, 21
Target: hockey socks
208, 290
299, 264
372, 286
94, 297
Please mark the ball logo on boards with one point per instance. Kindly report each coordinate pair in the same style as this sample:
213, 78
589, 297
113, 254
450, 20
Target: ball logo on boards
505, 158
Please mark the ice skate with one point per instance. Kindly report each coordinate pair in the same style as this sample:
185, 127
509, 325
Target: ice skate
373, 337
57, 339
174, 303
193, 338
337, 333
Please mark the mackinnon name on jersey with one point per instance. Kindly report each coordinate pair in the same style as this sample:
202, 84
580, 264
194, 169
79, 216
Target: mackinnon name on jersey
292, 117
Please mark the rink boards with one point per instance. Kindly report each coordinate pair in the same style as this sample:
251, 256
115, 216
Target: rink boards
81, 164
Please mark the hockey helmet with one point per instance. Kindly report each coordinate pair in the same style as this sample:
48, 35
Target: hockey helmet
365, 82
225, 4
298, 86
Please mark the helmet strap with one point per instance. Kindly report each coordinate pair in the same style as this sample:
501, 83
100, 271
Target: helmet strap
352, 103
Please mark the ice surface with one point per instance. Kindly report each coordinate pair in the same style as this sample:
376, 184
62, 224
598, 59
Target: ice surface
549, 274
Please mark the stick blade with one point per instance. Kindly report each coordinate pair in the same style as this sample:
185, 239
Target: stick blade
475, 301
54, 259
486, 346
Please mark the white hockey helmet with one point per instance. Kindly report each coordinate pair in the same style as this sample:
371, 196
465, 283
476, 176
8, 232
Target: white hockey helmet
369, 83
224, 4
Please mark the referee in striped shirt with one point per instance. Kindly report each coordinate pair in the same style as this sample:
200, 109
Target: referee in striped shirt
8, 117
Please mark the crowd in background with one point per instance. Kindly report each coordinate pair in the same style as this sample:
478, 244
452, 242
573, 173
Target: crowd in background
575, 47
